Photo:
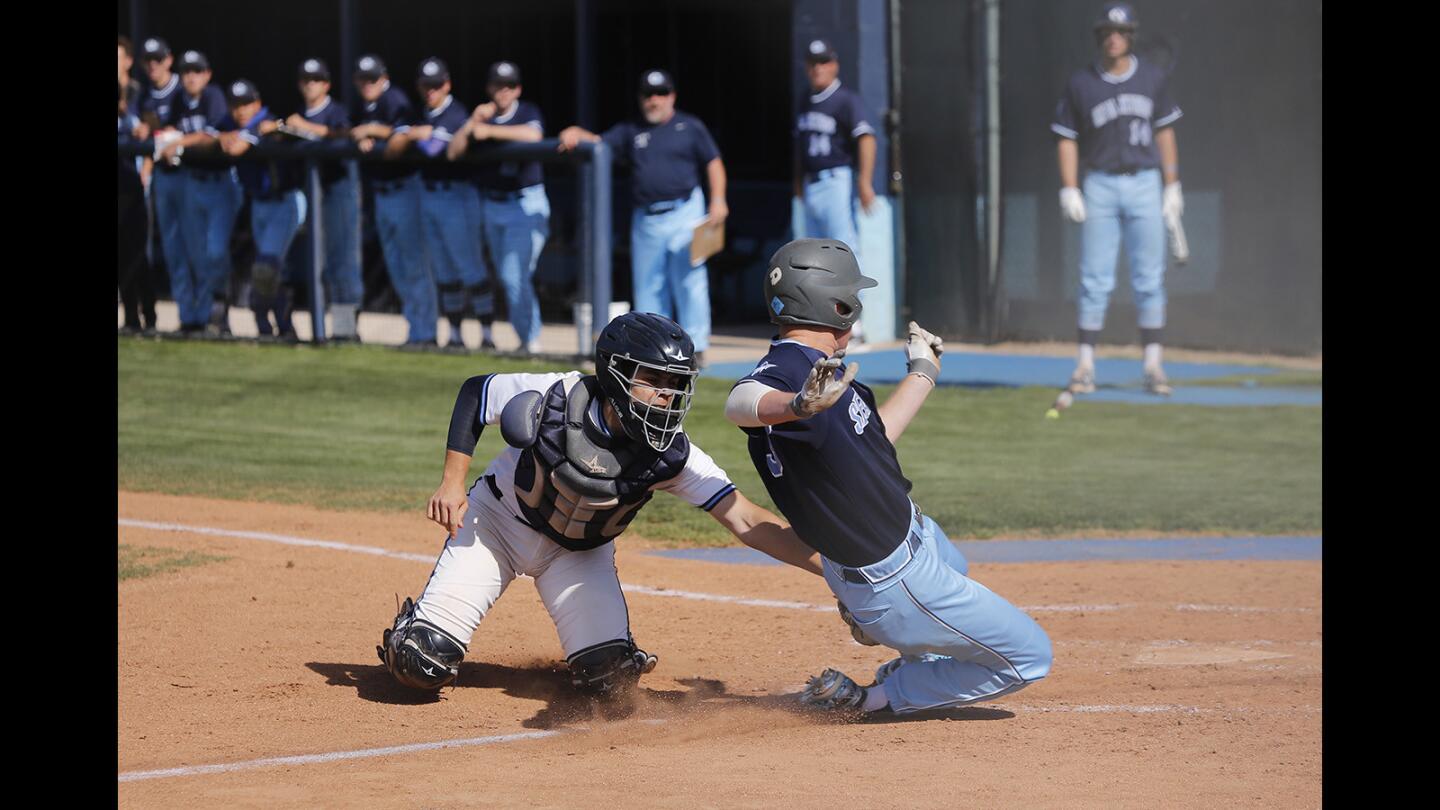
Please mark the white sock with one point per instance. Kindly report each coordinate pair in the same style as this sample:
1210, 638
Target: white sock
1152, 356
1087, 356
875, 698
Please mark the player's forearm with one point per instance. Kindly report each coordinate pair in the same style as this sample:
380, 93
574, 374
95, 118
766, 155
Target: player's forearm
1068, 155
373, 130
715, 173
902, 405
762, 530
1169, 155
865, 165
519, 133
459, 143
781, 543
457, 467
397, 144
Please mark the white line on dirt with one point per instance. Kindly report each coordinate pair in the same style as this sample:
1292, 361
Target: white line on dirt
333, 756
335, 545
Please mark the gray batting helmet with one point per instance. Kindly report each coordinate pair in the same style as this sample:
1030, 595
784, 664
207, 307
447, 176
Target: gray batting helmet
815, 282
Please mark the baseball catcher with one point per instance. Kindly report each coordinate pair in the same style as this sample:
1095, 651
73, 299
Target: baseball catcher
585, 453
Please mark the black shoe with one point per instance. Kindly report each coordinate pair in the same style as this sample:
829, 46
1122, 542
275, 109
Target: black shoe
488, 345
128, 330
192, 329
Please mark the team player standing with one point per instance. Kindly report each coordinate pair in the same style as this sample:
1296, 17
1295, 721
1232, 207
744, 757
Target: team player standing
1115, 122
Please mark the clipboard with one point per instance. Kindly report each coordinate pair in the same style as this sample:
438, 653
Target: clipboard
707, 240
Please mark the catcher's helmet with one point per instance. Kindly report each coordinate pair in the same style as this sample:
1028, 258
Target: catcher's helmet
815, 282
643, 339
1116, 15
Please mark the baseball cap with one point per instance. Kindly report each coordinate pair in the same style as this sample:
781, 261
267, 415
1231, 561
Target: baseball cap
1117, 15
193, 61
654, 82
154, 48
370, 66
241, 91
314, 69
503, 73
819, 51
433, 72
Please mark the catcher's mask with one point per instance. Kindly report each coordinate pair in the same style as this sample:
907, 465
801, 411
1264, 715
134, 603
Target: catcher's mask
652, 353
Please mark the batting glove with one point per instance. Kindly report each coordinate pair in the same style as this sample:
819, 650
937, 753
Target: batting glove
1072, 204
922, 353
822, 388
1172, 204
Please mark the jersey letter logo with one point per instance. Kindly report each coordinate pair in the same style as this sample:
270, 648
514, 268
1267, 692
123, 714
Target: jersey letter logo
859, 413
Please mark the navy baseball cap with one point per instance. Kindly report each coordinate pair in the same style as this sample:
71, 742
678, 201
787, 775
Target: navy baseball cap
370, 66
193, 61
241, 91
314, 69
1117, 15
503, 73
819, 51
432, 73
154, 49
656, 82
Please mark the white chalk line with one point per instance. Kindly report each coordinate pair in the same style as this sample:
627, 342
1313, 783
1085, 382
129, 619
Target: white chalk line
335, 545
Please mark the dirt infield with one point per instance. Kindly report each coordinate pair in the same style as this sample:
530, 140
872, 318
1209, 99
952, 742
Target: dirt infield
1176, 684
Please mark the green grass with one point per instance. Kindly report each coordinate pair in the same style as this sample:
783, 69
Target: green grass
143, 561
363, 427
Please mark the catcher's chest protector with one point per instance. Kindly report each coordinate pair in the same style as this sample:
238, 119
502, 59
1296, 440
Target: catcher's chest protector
579, 487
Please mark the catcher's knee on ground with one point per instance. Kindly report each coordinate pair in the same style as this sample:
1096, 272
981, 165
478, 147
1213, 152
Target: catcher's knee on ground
608, 668
418, 653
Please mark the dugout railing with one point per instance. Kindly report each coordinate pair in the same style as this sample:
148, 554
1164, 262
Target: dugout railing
593, 163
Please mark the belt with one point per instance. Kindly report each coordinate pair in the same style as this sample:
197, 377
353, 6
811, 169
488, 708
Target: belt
208, 175
665, 206
499, 196
386, 188
494, 488
912, 539
442, 185
1126, 170
823, 174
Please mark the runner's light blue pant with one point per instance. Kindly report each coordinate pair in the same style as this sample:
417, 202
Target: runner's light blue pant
920, 600
660, 270
830, 207
515, 231
1122, 207
407, 260
341, 219
212, 201
450, 221
168, 190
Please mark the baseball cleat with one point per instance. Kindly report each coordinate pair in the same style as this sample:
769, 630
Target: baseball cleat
1082, 381
888, 668
833, 689
1156, 383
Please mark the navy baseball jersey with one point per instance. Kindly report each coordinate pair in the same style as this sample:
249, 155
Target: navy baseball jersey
667, 159
393, 109
159, 100
834, 475
201, 114
447, 119
828, 126
329, 114
1114, 117
512, 175
262, 180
